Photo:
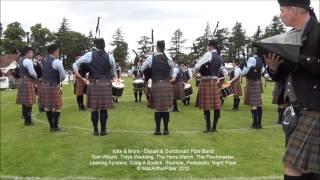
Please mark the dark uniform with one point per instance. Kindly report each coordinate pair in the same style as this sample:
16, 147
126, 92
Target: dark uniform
236, 87
253, 89
26, 95
301, 89
209, 92
178, 87
80, 86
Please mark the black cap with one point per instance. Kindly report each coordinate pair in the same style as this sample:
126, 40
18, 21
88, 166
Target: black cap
296, 3
25, 50
99, 43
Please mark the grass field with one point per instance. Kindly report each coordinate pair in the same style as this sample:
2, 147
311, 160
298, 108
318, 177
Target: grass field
34, 151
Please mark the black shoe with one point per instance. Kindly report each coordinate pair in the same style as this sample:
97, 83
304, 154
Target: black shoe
103, 133
157, 133
214, 130
28, 123
96, 133
58, 130
165, 132
136, 101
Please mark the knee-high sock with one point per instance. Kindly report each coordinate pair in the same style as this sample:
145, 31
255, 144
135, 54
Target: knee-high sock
55, 118
166, 119
136, 95
280, 114
103, 120
206, 114
28, 112
175, 106
238, 103
216, 118
49, 117
79, 101
259, 110
254, 113
24, 113
222, 100
157, 119
140, 95
94, 119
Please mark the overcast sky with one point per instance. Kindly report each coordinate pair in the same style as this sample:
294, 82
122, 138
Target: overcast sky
137, 18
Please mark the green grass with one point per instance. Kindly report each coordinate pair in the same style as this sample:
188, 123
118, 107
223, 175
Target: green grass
34, 151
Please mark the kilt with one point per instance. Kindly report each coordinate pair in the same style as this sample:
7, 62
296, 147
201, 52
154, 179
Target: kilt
178, 91
26, 92
276, 93
252, 93
50, 95
161, 96
236, 87
303, 149
80, 87
209, 95
99, 94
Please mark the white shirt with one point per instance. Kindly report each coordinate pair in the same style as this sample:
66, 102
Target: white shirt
237, 72
250, 63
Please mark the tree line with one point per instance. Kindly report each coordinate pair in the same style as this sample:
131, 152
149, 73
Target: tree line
233, 43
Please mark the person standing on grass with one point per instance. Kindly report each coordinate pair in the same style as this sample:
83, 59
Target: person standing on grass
99, 91
235, 84
209, 92
26, 95
50, 93
161, 65
178, 86
80, 87
253, 89
301, 90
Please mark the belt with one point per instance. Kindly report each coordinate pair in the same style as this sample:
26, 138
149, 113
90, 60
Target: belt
209, 77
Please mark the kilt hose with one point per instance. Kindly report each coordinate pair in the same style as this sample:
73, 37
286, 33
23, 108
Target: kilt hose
178, 91
99, 94
303, 149
236, 87
26, 91
209, 95
161, 96
252, 93
50, 95
80, 87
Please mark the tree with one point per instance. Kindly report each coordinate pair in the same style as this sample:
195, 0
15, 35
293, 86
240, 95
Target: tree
144, 47
13, 38
274, 28
221, 36
237, 41
64, 26
177, 42
40, 38
120, 52
201, 43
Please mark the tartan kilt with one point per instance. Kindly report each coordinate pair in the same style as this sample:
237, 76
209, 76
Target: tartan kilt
26, 92
209, 95
303, 149
252, 93
178, 91
80, 87
162, 96
276, 92
236, 87
50, 96
99, 94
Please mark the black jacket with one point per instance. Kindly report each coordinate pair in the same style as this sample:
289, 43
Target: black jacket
305, 73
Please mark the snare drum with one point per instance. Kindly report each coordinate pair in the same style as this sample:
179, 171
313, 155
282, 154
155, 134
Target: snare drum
188, 89
138, 85
226, 90
117, 89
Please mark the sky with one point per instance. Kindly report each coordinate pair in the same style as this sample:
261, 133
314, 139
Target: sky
137, 18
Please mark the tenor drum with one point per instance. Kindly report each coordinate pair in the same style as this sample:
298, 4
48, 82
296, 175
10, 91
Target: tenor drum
188, 89
138, 85
117, 89
226, 90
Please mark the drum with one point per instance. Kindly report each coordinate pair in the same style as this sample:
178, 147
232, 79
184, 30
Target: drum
188, 89
117, 89
226, 90
138, 85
